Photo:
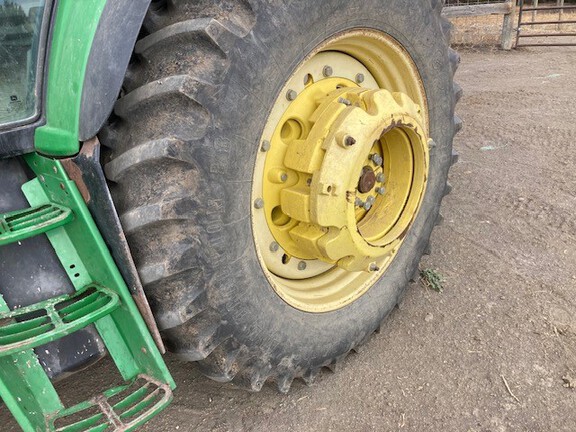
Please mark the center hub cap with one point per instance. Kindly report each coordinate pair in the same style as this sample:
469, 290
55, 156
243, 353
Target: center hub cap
367, 180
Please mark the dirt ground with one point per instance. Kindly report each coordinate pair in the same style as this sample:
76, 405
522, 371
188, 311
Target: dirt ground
496, 351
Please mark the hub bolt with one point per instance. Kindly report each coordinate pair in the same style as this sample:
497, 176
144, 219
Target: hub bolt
327, 71
360, 78
349, 141
283, 177
344, 101
377, 159
291, 95
258, 203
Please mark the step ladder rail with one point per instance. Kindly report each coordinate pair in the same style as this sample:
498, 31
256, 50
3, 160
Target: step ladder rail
101, 298
80, 241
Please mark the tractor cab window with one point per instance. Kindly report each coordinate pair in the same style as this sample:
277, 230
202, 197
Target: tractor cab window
20, 30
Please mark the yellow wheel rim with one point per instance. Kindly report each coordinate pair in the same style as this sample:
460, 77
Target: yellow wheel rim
342, 170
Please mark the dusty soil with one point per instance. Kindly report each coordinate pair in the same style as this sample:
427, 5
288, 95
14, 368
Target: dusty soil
491, 351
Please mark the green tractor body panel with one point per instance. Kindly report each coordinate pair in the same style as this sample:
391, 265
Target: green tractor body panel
74, 28
59, 211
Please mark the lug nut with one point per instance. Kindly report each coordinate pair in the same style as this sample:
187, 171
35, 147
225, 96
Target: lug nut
283, 177
258, 203
301, 266
360, 78
367, 205
380, 178
265, 146
274, 247
381, 190
291, 95
373, 267
377, 159
431, 144
308, 182
370, 200
344, 101
327, 71
359, 202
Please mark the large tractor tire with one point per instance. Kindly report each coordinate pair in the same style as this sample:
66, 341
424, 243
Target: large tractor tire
278, 168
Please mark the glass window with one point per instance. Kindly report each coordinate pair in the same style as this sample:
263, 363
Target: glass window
20, 29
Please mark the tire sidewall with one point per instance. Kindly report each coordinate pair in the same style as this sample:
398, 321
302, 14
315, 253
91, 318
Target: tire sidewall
260, 64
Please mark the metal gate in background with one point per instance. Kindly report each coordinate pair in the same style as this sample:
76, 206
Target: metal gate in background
549, 31
477, 8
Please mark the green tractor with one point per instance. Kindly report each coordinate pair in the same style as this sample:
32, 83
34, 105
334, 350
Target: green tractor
249, 184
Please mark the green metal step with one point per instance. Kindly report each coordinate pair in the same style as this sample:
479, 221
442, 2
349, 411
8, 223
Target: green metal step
101, 297
44, 322
122, 408
22, 224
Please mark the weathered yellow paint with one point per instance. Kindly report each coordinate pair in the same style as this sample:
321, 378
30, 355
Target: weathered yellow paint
321, 245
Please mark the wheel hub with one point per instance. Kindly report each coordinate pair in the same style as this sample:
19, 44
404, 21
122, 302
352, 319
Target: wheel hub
341, 173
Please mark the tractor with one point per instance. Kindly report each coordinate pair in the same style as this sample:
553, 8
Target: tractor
248, 184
